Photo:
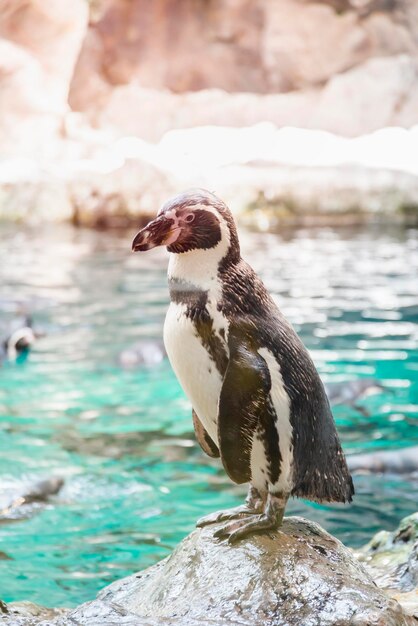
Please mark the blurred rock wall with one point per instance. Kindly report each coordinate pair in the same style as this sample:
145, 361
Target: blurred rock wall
348, 66
260, 46
77, 77
144, 67
39, 45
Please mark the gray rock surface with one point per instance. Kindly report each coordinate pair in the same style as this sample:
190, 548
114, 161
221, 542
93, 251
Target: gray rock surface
392, 557
392, 560
27, 614
298, 575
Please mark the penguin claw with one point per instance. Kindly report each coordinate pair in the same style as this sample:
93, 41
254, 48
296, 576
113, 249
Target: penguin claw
229, 514
225, 532
241, 528
234, 530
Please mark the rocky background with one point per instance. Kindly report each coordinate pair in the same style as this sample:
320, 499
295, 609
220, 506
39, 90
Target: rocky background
347, 67
90, 94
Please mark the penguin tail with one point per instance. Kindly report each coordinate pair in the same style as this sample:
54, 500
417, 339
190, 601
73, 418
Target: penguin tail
328, 482
325, 493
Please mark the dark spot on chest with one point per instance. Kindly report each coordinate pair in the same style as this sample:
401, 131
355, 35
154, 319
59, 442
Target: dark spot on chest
210, 340
195, 301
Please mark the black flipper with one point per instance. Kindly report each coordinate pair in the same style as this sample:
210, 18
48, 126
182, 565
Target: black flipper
243, 405
203, 438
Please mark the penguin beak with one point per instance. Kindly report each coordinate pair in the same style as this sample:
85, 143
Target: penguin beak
162, 231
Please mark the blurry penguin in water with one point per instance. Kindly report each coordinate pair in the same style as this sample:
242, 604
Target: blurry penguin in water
350, 392
258, 401
19, 341
145, 353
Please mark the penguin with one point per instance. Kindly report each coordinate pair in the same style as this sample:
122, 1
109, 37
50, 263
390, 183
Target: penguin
350, 392
258, 401
19, 341
399, 461
144, 353
16, 504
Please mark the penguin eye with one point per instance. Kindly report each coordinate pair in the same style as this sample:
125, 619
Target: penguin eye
189, 218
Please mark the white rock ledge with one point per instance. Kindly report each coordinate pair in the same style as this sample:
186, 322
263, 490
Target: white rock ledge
268, 176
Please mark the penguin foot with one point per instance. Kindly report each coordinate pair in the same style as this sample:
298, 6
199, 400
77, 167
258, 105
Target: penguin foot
270, 519
219, 516
239, 529
254, 504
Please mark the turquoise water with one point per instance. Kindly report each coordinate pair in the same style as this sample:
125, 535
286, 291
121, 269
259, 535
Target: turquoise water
135, 480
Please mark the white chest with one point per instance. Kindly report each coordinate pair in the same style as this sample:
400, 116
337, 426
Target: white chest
195, 369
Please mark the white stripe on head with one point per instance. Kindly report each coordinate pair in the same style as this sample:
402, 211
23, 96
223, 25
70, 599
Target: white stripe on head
171, 214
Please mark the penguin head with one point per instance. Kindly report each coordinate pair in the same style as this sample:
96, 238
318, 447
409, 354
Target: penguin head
19, 342
194, 220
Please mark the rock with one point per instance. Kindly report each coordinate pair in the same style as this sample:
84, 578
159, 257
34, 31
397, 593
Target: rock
34, 202
25, 110
409, 601
392, 560
38, 50
241, 46
145, 71
381, 92
27, 614
295, 57
180, 48
399, 461
362, 7
347, 67
130, 193
106, 190
298, 575
88, 84
52, 34
162, 111
270, 177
